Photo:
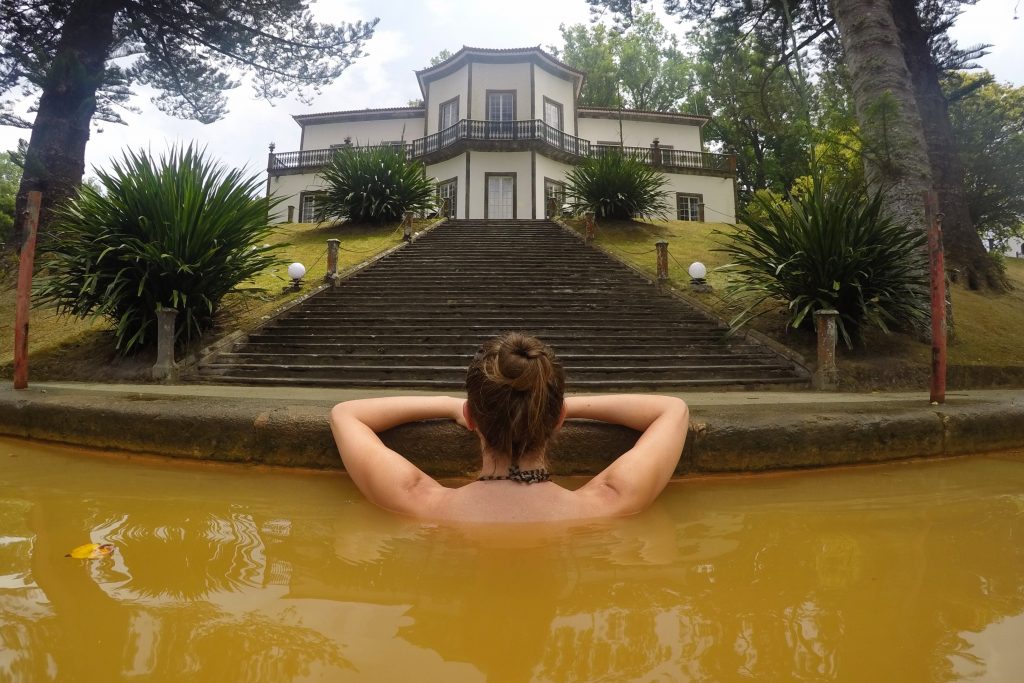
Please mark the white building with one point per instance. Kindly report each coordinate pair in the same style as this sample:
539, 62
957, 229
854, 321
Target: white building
499, 130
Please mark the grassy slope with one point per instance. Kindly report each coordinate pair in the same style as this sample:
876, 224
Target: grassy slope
987, 325
68, 348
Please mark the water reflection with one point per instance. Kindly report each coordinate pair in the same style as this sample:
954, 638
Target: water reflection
912, 572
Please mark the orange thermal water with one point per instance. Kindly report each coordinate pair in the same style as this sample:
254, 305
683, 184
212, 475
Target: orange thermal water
906, 572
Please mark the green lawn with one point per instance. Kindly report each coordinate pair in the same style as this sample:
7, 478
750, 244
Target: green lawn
987, 325
69, 348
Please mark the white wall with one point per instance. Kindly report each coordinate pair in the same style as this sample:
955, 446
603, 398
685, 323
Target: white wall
323, 135
455, 84
500, 162
719, 195
452, 168
500, 77
547, 168
1014, 247
289, 187
641, 133
558, 89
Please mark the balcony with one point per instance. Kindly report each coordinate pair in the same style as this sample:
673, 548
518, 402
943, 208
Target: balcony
516, 136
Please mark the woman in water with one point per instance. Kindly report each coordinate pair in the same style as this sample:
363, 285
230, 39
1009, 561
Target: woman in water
516, 403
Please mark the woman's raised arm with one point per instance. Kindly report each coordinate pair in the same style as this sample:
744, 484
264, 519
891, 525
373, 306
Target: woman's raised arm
384, 476
635, 479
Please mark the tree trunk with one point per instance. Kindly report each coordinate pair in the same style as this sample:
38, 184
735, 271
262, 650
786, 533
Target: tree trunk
895, 153
55, 160
962, 243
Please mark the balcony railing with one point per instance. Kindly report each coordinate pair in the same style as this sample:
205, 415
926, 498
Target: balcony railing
509, 131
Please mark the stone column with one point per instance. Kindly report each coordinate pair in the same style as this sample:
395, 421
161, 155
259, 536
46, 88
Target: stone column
332, 260
662, 247
656, 152
826, 376
590, 221
407, 224
165, 368
291, 213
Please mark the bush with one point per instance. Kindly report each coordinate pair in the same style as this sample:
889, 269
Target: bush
374, 184
615, 185
178, 232
829, 248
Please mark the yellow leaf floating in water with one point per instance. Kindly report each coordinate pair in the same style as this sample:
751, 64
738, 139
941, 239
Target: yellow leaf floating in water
91, 551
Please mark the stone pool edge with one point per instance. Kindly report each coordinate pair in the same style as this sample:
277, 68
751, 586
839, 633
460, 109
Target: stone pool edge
725, 435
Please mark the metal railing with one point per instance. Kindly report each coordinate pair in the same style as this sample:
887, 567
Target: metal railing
524, 130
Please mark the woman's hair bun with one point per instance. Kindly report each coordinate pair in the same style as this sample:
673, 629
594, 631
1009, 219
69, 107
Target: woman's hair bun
515, 386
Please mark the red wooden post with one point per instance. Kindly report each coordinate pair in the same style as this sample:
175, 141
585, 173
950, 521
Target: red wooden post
21, 308
938, 278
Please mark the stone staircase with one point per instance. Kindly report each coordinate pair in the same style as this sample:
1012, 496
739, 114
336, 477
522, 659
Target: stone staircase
416, 317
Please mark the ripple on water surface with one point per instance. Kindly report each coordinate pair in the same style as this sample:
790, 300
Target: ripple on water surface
907, 572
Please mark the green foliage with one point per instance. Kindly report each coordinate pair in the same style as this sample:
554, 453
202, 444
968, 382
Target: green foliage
756, 109
829, 248
640, 68
189, 50
989, 127
175, 232
374, 184
616, 185
10, 177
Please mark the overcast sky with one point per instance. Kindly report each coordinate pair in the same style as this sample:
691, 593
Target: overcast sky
408, 35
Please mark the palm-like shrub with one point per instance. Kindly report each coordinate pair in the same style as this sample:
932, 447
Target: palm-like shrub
175, 232
616, 185
828, 248
374, 185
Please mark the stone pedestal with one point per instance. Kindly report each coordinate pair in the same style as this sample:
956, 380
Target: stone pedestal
332, 260
590, 224
826, 376
165, 369
662, 247
407, 226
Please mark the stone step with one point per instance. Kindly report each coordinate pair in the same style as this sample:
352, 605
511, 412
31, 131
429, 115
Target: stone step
543, 331
346, 305
415, 318
557, 339
578, 386
569, 360
524, 318
634, 373
306, 344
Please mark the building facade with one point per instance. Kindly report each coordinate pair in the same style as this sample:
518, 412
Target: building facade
498, 131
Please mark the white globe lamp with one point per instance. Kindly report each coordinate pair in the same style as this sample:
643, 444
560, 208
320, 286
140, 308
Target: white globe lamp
295, 272
697, 272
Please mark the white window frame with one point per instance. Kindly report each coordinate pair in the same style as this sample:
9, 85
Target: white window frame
451, 108
694, 206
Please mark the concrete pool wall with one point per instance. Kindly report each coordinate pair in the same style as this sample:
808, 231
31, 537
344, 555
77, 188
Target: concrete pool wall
729, 432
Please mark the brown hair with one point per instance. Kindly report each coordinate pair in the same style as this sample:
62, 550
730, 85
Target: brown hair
516, 388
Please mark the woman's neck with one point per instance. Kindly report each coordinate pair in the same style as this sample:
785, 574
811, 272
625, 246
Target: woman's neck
501, 465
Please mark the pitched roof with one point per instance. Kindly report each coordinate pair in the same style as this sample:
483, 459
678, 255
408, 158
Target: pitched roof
500, 55
360, 115
642, 115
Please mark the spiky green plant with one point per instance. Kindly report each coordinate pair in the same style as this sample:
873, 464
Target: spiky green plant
374, 185
177, 232
831, 247
617, 185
